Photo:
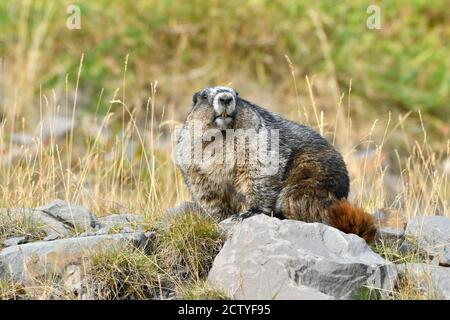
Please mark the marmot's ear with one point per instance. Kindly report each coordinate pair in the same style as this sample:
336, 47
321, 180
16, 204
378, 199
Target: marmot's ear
194, 99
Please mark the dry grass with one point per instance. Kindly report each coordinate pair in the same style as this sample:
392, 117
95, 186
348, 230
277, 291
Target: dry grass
12, 225
94, 167
409, 288
124, 274
42, 288
131, 168
11, 291
200, 291
189, 245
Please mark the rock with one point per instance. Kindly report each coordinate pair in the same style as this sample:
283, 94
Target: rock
433, 279
26, 262
268, 258
72, 279
389, 218
74, 216
21, 138
391, 236
34, 219
127, 230
430, 234
390, 226
55, 126
50, 237
90, 233
14, 241
104, 230
227, 226
125, 220
405, 248
146, 241
298, 292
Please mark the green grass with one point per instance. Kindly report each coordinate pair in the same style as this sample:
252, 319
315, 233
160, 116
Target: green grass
125, 274
189, 245
11, 291
16, 225
393, 253
403, 66
406, 287
201, 291
180, 260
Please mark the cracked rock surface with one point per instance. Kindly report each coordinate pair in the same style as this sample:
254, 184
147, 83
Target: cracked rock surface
268, 258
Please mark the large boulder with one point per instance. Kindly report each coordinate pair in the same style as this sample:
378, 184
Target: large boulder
28, 262
430, 234
268, 258
434, 280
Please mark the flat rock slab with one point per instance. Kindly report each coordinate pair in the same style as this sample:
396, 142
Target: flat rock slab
14, 241
434, 279
268, 258
73, 216
122, 220
27, 262
430, 234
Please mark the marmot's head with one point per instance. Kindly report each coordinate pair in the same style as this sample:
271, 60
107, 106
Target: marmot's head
215, 107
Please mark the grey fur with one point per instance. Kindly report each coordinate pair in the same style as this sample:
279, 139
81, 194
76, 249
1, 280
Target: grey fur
222, 191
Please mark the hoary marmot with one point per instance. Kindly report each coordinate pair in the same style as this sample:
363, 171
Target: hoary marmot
310, 181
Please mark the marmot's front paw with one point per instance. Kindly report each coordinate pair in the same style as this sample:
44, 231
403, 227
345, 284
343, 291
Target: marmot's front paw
245, 215
236, 217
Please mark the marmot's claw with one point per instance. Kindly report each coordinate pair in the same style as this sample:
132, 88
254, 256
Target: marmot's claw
236, 217
245, 215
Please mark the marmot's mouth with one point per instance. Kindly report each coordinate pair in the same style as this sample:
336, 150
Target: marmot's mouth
224, 117
223, 121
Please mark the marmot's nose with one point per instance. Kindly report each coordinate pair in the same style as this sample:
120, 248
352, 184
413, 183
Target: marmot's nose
225, 100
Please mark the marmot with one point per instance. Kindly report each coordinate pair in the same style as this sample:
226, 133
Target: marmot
311, 182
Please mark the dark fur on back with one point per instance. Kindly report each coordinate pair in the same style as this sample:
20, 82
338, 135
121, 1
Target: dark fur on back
311, 184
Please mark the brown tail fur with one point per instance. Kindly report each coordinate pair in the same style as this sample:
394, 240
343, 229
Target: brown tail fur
350, 219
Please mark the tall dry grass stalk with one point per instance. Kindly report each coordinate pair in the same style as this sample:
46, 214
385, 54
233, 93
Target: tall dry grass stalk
121, 161
115, 162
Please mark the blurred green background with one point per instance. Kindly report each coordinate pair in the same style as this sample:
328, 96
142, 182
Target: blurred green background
186, 45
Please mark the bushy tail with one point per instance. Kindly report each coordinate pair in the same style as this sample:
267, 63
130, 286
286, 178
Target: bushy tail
350, 219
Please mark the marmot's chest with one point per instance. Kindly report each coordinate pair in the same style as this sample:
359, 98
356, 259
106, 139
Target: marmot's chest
222, 177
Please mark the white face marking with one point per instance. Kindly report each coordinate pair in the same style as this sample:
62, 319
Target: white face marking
219, 108
222, 123
217, 89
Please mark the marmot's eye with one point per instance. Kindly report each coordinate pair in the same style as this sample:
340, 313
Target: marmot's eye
204, 95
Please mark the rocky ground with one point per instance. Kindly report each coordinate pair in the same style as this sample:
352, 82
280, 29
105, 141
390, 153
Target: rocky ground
261, 257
